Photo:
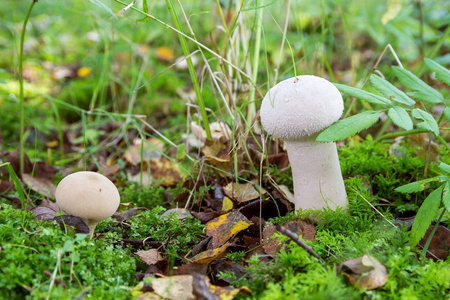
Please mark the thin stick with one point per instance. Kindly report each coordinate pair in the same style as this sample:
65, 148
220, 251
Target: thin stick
298, 241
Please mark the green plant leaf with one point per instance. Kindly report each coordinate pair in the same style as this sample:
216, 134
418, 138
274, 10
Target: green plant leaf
446, 113
424, 96
104, 7
446, 196
348, 127
429, 123
441, 73
423, 91
416, 186
390, 91
363, 95
444, 167
425, 215
400, 117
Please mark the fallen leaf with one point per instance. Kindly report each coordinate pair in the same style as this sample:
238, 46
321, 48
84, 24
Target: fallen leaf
144, 150
150, 257
440, 242
191, 268
301, 228
46, 210
217, 155
164, 54
200, 288
182, 213
209, 255
366, 272
242, 192
223, 228
72, 221
174, 287
40, 185
6, 186
227, 204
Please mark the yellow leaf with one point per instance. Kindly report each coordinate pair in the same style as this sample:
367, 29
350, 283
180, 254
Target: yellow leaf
84, 72
164, 54
227, 204
222, 228
208, 256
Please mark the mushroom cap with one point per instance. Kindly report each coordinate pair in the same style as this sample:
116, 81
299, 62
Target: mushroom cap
300, 107
88, 195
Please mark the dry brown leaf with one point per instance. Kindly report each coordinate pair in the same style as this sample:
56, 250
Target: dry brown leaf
45, 211
150, 257
242, 192
182, 213
440, 242
40, 185
174, 287
223, 228
366, 272
150, 148
301, 228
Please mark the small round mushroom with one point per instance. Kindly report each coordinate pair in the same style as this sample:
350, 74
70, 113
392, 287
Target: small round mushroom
296, 110
88, 195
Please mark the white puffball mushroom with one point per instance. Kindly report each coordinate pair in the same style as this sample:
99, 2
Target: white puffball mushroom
88, 195
296, 110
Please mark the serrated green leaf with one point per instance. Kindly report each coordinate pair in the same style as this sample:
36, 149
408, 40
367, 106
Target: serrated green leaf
414, 83
429, 123
444, 167
348, 127
390, 91
424, 96
416, 186
400, 117
446, 113
425, 215
441, 73
446, 196
363, 95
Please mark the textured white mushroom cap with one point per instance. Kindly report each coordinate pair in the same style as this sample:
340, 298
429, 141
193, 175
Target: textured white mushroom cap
88, 195
300, 107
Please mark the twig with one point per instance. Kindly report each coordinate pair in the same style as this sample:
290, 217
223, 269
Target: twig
298, 241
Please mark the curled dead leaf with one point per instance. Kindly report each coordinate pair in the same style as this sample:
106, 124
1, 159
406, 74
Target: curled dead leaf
366, 272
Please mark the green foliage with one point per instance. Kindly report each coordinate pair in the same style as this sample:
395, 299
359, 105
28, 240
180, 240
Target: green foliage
145, 196
425, 215
441, 73
29, 247
421, 91
400, 117
348, 127
181, 235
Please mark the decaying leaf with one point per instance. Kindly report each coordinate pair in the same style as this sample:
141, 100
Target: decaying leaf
163, 170
217, 155
208, 256
182, 213
174, 287
126, 215
189, 287
72, 221
40, 185
241, 192
144, 151
223, 228
365, 272
440, 242
150, 257
302, 228
46, 210
227, 204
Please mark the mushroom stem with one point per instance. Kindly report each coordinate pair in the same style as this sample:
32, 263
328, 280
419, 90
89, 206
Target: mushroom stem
316, 174
91, 224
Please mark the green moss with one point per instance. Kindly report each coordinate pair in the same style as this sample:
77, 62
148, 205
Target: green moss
30, 247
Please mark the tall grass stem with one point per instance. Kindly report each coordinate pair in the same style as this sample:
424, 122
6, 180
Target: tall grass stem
21, 93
